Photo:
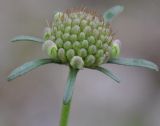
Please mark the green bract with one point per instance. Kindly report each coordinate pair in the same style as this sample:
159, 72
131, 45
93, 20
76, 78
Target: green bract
82, 33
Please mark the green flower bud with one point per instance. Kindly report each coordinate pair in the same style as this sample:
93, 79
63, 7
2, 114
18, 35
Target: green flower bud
115, 49
62, 55
50, 48
77, 62
99, 44
53, 38
48, 44
90, 60
47, 33
67, 45
105, 47
92, 49
91, 40
70, 54
93, 24
87, 30
59, 43
100, 60
61, 27
85, 44
82, 52
81, 36
58, 34
68, 22
75, 29
52, 52
76, 45
102, 38
67, 29
66, 36
100, 53
83, 23
73, 38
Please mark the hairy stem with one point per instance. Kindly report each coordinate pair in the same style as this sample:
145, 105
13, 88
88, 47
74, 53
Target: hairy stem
68, 97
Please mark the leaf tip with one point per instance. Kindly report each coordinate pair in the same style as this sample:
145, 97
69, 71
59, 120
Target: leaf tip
118, 80
12, 40
120, 7
157, 69
9, 78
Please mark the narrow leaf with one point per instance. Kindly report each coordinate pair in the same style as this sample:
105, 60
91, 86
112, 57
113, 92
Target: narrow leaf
135, 62
108, 73
70, 85
19, 71
112, 12
27, 38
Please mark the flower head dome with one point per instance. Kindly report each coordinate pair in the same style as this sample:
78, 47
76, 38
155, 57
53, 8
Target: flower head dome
79, 33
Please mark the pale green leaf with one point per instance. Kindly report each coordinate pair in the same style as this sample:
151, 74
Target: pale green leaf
70, 85
19, 71
134, 62
108, 73
27, 38
112, 12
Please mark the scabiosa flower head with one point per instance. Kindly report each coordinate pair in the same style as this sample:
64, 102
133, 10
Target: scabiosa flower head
81, 37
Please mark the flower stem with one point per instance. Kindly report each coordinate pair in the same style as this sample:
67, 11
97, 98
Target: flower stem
68, 97
65, 114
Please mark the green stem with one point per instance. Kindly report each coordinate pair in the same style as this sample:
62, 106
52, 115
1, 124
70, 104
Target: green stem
65, 114
68, 97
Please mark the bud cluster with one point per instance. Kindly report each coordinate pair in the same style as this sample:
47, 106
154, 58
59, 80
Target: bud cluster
79, 38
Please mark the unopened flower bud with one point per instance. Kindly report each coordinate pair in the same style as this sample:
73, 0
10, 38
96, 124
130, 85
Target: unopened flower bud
59, 42
70, 53
115, 49
85, 44
87, 30
83, 23
73, 37
47, 33
66, 36
67, 29
75, 29
91, 40
50, 48
99, 44
77, 62
62, 55
67, 45
81, 36
90, 60
76, 45
92, 49
82, 52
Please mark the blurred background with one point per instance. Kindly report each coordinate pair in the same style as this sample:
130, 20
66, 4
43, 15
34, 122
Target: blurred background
35, 99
